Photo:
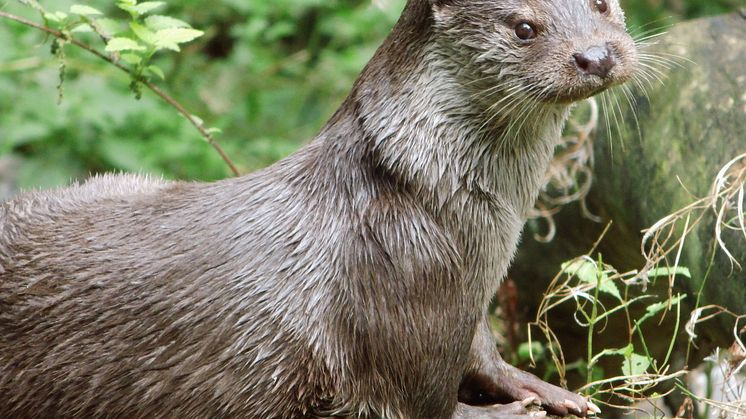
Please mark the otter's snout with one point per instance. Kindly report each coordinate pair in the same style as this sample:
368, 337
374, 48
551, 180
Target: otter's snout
597, 61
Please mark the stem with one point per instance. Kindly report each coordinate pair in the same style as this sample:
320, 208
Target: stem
700, 291
155, 89
675, 335
594, 318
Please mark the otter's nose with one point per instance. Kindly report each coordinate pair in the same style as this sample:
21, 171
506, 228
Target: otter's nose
597, 61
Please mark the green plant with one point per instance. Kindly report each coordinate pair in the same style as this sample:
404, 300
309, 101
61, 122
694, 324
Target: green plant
266, 74
600, 293
145, 36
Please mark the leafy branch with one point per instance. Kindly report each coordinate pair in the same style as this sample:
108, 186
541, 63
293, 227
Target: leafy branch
131, 54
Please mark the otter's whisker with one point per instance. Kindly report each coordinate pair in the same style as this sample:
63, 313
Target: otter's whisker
652, 72
642, 40
607, 120
506, 85
508, 102
633, 108
618, 116
667, 62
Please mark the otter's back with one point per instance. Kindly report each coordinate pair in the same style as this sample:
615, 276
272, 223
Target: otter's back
132, 296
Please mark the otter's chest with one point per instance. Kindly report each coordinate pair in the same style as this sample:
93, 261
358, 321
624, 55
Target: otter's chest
487, 231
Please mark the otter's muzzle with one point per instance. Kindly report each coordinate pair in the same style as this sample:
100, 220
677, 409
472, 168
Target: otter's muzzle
596, 61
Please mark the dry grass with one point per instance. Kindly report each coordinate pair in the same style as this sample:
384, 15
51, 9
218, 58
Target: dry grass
570, 174
569, 179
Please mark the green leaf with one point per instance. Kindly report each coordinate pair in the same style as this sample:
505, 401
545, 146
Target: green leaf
148, 6
658, 272
591, 273
109, 26
158, 22
57, 17
145, 34
656, 308
51, 17
132, 59
129, 8
123, 44
584, 269
172, 37
525, 350
135, 9
635, 364
609, 352
83, 10
626, 350
156, 71
82, 28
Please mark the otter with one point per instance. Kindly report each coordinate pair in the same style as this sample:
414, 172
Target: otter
351, 278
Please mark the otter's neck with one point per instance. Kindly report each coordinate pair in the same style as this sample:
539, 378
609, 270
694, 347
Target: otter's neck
426, 129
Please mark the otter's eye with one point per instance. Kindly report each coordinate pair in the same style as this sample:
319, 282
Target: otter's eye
601, 6
525, 31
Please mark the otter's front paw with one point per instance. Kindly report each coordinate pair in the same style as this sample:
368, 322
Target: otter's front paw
558, 401
514, 384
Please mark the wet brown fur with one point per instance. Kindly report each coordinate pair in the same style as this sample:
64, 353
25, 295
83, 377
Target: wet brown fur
351, 278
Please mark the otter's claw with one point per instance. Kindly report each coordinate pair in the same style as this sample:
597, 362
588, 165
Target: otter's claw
593, 408
571, 405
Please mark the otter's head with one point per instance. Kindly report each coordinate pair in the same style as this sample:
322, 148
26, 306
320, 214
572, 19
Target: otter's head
555, 51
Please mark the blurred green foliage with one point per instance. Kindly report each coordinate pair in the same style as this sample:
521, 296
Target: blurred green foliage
267, 73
